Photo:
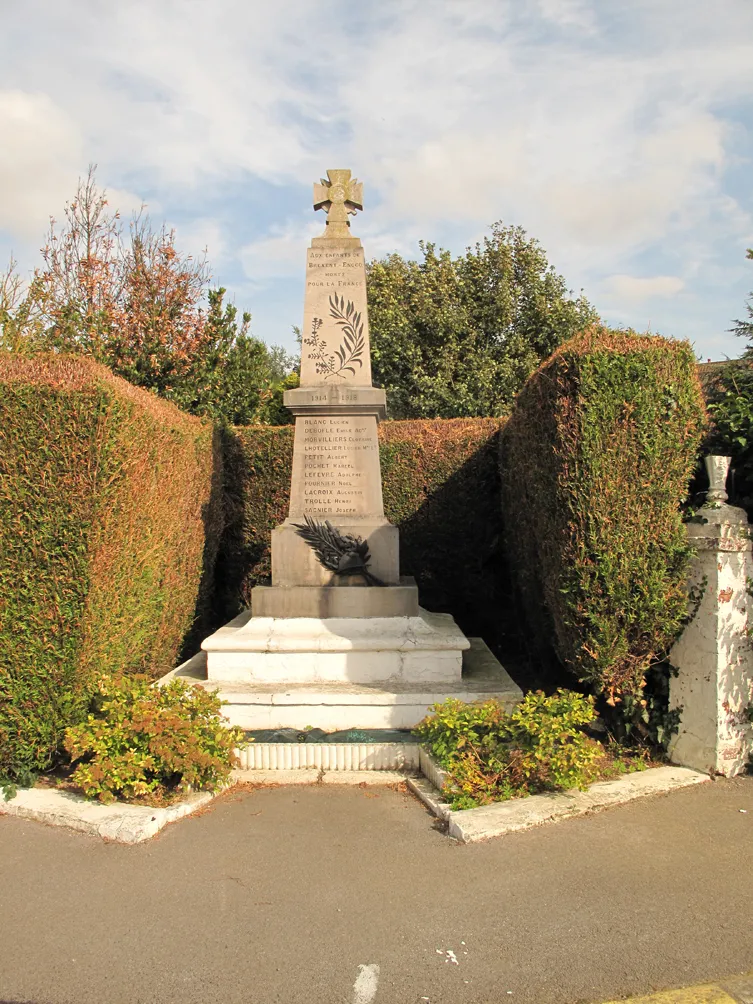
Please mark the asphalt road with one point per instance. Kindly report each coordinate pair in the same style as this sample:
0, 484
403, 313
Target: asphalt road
282, 894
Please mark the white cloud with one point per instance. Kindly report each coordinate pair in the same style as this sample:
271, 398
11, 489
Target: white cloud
569, 14
610, 132
203, 234
280, 253
39, 156
638, 288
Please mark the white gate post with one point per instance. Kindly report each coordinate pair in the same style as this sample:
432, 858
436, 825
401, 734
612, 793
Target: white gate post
714, 655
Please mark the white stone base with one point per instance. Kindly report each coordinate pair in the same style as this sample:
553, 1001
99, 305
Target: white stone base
343, 650
307, 775
334, 706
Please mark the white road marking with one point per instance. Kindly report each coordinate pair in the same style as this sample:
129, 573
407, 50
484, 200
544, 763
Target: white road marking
365, 987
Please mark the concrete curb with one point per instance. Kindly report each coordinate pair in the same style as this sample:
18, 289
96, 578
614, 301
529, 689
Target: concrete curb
470, 825
120, 822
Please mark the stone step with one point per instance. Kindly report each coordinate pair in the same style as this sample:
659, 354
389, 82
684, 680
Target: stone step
337, 705
330, 756
313, 650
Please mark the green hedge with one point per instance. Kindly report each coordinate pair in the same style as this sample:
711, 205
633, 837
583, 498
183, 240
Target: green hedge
110, 509
441, 487
596, 459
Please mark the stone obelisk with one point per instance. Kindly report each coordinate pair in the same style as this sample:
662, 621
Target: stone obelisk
336, 475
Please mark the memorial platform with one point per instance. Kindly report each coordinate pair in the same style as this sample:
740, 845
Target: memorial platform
397, 703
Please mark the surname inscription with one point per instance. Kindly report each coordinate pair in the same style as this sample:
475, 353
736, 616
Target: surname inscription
336, 459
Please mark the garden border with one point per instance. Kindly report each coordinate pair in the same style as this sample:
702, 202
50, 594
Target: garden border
517, 814
131, 824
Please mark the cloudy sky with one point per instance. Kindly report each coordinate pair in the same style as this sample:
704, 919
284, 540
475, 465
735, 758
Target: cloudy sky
617, 132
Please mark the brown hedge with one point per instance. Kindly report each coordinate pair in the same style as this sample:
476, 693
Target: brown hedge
441, 487
596, 459
110, 513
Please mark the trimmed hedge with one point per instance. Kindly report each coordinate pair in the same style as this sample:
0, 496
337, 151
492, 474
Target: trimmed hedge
441, 487
110, 509
596, 459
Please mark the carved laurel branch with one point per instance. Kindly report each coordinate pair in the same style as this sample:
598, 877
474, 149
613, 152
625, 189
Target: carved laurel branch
350, 351
349, 354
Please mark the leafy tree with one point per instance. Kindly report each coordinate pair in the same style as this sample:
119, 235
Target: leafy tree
135, 303
745, 328
21, 317
731, 408
274, 411
453, 337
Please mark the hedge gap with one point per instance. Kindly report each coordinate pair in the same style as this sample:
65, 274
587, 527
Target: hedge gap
110, 515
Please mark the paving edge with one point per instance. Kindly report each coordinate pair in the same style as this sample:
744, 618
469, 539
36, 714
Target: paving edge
470, 825
733, 990
118, 821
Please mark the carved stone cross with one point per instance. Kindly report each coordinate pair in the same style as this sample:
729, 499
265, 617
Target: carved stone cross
340, 197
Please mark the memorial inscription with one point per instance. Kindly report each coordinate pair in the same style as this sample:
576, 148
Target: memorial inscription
335, 321
333, 467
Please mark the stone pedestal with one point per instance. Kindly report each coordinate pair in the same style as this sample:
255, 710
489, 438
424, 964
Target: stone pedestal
387, 650
343, 601
714, 658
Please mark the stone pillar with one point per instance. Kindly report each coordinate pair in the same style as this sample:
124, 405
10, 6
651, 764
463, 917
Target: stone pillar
336, 476
714, 655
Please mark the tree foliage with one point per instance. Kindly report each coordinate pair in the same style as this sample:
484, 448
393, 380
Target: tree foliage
745, 328
130, 299
731, 409
454, 337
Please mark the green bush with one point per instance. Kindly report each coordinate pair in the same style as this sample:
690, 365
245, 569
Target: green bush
110, 515
596, 459
441, 488
492, 755
144, 742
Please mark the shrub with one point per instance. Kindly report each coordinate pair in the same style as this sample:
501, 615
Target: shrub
144, 742
597, 457
492, 756
441, 488
257, 462
110, 514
